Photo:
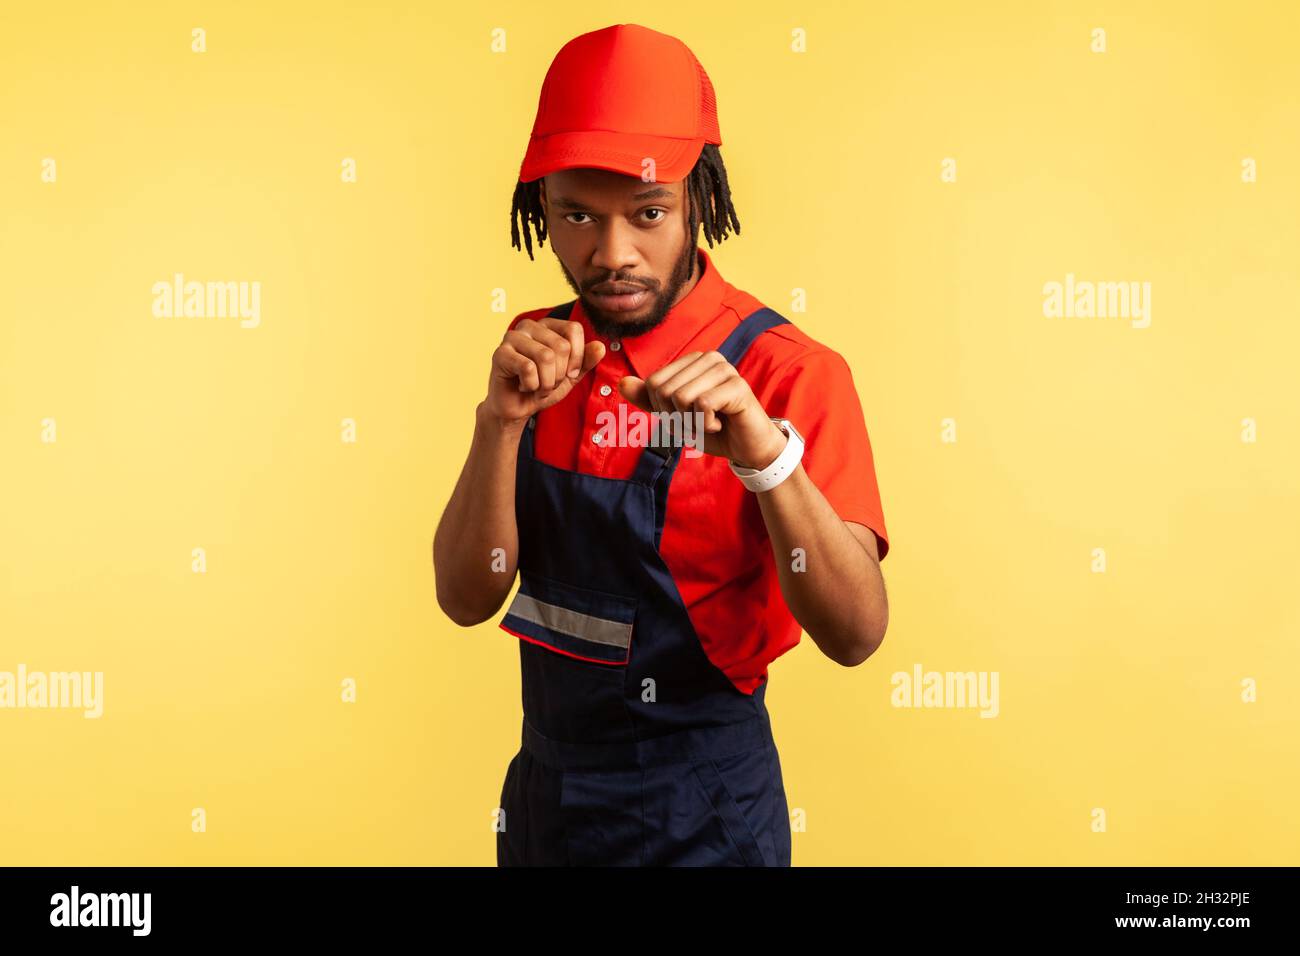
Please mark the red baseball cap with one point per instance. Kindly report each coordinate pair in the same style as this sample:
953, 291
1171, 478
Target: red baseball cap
617, 97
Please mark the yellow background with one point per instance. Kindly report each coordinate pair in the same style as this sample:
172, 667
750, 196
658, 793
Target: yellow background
222, 690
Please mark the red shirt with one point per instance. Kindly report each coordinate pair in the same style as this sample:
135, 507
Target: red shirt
715, 542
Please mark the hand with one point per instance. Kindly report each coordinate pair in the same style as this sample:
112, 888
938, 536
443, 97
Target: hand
735, 425
537, 363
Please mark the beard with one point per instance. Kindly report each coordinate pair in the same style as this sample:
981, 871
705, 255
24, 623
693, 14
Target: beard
664, 295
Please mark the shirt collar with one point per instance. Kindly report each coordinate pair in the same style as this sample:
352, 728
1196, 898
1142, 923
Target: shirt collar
653, 350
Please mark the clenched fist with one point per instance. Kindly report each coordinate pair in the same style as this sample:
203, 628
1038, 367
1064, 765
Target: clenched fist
536, 365
735, 424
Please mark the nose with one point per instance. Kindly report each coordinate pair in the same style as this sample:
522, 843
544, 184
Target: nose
615, 251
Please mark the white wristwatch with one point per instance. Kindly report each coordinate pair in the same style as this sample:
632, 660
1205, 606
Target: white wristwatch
768, 478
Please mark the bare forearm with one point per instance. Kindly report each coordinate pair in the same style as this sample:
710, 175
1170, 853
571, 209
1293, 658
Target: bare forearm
473, 577
834, 589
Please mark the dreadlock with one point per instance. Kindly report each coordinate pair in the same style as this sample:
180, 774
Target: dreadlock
706, 186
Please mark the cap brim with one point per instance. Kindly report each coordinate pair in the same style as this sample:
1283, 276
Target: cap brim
626, 153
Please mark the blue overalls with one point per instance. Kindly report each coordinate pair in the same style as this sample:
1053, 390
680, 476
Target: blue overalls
637, 750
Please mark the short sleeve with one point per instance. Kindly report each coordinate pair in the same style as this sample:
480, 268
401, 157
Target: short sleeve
819, 396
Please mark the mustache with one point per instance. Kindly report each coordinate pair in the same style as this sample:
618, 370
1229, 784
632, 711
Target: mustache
616, 284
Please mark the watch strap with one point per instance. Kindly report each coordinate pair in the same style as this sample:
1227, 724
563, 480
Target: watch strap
766, 479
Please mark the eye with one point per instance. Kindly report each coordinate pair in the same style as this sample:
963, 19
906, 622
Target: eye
575, 214
660, 217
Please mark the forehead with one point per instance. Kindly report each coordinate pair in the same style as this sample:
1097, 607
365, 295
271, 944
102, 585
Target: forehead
594, 187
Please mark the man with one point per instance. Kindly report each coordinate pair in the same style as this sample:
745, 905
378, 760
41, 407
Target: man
656, 583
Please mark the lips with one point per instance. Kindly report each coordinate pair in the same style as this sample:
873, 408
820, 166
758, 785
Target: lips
620, 297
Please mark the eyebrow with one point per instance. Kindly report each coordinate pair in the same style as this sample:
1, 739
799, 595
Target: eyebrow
658, 192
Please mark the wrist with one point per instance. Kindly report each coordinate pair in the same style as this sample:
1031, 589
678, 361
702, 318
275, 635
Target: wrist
488, 422
779, 468
770, 452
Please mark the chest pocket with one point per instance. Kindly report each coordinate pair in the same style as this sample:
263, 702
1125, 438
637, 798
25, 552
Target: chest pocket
577, 622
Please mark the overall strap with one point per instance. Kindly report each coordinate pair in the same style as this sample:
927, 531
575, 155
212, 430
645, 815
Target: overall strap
526, 442
656, 466
655, 459
735, 346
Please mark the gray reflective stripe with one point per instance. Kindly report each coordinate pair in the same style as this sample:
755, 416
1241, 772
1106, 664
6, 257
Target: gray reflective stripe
595, 629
